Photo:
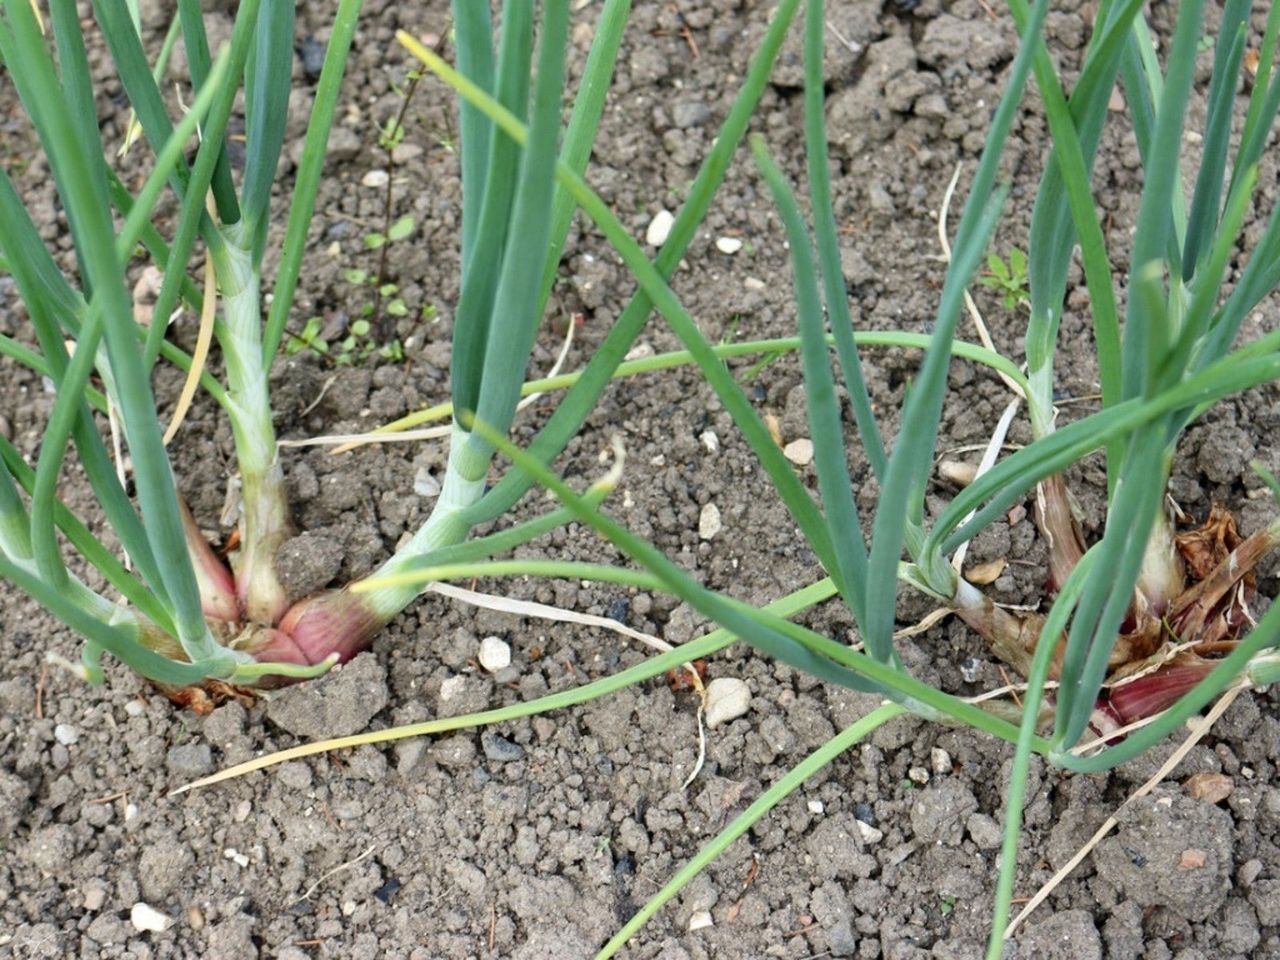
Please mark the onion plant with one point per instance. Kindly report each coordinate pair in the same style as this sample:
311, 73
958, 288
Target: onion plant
167, 605
1136, 638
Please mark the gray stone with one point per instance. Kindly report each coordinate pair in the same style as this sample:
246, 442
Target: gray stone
690, 113
307, 563
51, 849
940, 812
1069, 935
225, 724
339, 704
15, 801
499, 749
841, 939
1265, 897
164, 864
190, 760
985, 831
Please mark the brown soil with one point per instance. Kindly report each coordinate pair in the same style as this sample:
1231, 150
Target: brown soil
539, 838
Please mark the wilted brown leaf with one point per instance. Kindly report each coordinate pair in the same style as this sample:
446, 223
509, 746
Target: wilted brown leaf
1208, 545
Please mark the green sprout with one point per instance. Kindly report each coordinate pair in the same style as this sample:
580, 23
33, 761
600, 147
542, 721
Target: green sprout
1008, 277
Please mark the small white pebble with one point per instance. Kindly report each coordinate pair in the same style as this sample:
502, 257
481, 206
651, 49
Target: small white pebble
700, 920
348, 908
234, 855
869, 833
495, 654
727, 699
130, 811
754, 283
135, 708
659, 228
451, 687
799, 452
425, 485
918, 775
146, 917
728, 244
375, 178
710, 441
958, 472
242, 811
709, 523
94, 898
640, 351
941, 761
816, 807
66, 734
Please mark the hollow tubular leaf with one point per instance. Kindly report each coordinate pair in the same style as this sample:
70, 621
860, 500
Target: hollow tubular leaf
45, 292
1228, 53
115, 640
797, 646
477, 313
1264, 100
514, 320
825, 238
473, 48
1015, 795
1011, 478
88, 545
555, 569
793, 493
821, 403
267, 78
1154, 230
1064, 209
193, 218
1107, 594
705, 646
584, 122
771, 347
196, 43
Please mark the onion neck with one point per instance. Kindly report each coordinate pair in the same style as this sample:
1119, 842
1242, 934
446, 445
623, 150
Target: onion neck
264, 515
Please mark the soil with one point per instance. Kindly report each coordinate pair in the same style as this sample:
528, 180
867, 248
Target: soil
537, 839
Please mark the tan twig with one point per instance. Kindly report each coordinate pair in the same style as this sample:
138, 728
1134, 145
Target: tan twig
44, 675
204, 337
974, 313
336, 870
936, 616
